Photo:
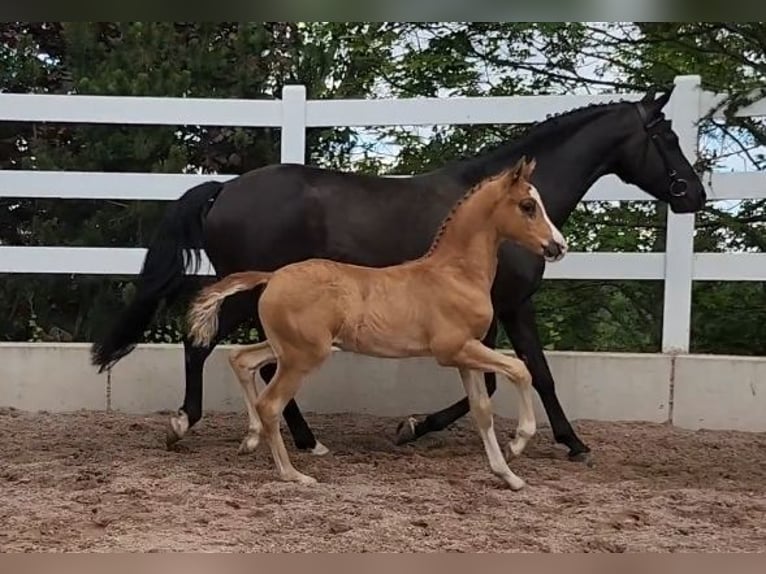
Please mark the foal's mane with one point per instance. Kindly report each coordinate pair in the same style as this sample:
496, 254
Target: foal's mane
458, 205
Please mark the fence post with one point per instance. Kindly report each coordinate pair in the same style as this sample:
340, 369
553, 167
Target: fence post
293, 137
679, 246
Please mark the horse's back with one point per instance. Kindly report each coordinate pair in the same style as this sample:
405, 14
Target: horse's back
280, 214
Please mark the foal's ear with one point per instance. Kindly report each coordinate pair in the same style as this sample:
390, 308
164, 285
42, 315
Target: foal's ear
517, 170
528, 168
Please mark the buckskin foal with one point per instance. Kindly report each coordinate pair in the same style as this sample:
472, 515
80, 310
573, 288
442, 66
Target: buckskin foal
438, 305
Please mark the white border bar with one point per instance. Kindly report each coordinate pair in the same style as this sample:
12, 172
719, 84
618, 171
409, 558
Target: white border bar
140, 110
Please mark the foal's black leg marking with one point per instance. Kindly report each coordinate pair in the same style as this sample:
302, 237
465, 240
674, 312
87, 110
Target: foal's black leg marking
234, 312
412, 429
522, 331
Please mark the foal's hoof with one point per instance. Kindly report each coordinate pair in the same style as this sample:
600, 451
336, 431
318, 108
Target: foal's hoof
301, 478
512, 450
249, 444
405, 432
515, 483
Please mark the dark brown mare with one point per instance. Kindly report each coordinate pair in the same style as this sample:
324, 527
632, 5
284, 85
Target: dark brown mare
281, 214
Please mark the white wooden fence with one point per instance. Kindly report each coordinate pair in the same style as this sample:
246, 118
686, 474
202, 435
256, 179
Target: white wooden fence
678, 266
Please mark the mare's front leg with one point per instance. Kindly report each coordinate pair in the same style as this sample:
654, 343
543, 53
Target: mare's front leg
521, 327
411, 429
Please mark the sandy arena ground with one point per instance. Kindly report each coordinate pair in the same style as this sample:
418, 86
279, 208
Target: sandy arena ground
103, 482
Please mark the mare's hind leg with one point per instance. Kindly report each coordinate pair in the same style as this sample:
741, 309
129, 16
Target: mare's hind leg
245, 361
475, 355
481, 408
234, 311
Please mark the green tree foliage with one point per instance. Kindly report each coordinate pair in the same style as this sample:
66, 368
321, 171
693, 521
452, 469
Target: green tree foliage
367, 60
225, 60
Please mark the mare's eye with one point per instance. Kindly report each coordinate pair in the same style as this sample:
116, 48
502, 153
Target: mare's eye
529, 207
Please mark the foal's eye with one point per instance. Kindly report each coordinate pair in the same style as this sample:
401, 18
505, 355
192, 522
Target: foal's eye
528, 207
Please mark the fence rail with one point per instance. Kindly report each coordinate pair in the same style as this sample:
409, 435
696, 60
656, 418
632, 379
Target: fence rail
678, 266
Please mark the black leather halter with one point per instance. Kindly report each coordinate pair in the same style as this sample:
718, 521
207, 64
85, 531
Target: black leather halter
655, 127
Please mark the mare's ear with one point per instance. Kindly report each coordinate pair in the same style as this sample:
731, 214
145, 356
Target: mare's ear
528, 168
662, 101
659, 103
649, 96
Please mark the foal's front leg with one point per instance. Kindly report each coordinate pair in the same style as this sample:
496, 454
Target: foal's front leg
412, 428
481, 408
477, 356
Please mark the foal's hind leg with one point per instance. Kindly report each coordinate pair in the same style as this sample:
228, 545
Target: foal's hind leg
303, 437
245, 361
271, 402
481, 408
291, 372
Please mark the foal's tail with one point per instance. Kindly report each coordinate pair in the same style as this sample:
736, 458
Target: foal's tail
203, 314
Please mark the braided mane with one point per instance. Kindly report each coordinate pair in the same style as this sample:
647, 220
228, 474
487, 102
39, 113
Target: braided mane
473, 169
458, 204
551, 120
554, 119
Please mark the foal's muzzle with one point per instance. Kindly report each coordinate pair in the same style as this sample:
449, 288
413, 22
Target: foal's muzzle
553, 251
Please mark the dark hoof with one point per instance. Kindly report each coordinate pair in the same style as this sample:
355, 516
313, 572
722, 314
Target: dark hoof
405, 432
582, 456
171, 439
178, 447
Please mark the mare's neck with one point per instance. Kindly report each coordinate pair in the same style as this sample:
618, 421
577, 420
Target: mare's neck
572, 152
469, 241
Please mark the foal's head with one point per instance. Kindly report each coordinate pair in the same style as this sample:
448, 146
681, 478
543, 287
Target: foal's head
520, 214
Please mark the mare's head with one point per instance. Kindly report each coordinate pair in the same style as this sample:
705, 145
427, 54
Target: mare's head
520, 214
652, 158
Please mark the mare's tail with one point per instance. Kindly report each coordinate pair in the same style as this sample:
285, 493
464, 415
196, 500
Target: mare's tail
172, 251
203, 314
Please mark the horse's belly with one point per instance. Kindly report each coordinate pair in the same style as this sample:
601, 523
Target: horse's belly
376, 341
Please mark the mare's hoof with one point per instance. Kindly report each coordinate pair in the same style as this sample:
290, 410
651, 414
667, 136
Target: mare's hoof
171, 441
319, 449
405, 432
582, 456
171, 438
179, 424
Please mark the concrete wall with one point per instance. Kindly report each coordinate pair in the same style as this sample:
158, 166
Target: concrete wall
692, 391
